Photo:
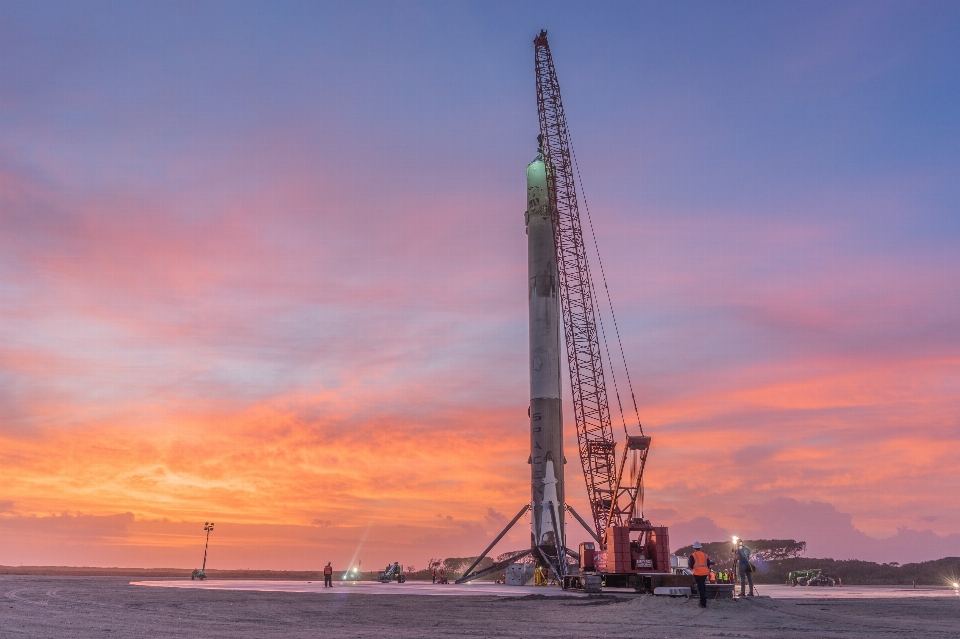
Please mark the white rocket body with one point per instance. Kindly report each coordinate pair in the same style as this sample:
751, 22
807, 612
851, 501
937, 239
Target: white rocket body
546, 426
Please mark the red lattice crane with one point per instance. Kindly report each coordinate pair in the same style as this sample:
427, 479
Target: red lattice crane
613, 490
613, 498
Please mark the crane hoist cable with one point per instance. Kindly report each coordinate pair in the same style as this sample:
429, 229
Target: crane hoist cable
603, 276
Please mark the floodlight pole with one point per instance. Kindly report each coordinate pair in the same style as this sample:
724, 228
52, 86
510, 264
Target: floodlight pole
208, 526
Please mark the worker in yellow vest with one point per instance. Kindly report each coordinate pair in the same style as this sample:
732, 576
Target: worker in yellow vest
699, 563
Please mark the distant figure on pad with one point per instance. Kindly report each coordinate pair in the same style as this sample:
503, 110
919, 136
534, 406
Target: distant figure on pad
328, 576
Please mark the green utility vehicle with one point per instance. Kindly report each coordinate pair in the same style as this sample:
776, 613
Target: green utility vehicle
392, 573
813, 577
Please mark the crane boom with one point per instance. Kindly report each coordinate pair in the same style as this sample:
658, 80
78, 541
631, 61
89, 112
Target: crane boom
590, 404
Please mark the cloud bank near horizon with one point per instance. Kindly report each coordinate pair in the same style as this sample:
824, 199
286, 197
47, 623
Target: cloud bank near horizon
828, 533
125, 541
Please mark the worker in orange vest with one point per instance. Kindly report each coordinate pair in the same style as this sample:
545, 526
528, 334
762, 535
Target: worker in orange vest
700, 564
328, 576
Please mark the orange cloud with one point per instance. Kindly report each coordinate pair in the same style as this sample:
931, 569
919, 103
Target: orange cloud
310, 358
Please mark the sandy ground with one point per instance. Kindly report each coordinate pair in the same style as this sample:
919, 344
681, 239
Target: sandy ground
489, 589
68, 607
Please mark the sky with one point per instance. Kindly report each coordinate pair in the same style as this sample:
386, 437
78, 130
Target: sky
264, 264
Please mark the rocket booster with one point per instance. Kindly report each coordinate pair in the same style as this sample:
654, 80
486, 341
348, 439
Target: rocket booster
546, 426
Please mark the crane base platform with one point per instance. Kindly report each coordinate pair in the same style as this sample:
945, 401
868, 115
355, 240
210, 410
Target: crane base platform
639, 582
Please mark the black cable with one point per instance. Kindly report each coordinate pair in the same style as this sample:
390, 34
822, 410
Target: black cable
593, 293
607, 289
606, 346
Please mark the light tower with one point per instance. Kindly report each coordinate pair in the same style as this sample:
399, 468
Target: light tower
208, 526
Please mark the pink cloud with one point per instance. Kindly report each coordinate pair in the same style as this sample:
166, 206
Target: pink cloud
310, 347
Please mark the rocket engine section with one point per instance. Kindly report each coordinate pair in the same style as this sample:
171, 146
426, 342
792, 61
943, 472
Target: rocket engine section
546, 426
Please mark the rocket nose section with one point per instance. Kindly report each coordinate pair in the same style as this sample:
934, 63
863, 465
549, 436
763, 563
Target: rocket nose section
536, 190
537, 172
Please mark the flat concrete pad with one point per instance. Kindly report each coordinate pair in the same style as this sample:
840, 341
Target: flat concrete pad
99, 607
851, 592
424, 588
363, 588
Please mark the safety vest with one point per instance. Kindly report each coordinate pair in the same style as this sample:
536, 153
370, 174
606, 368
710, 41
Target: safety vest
327, 570
700, 567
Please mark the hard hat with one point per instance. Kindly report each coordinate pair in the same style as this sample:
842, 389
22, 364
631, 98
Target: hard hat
697, 545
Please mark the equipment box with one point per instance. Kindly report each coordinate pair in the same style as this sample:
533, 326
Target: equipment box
519, 574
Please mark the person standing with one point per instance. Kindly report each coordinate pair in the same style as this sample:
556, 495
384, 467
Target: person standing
700, 563
328, 576
743, 565
434, 574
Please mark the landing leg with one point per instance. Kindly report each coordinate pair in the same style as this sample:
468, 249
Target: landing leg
513, 522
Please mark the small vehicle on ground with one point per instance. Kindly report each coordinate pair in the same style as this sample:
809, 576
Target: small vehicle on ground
812, 577
392, 573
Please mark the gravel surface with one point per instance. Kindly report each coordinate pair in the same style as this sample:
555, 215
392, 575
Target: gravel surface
68, 607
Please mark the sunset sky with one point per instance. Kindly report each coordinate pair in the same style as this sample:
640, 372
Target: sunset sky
265, 264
